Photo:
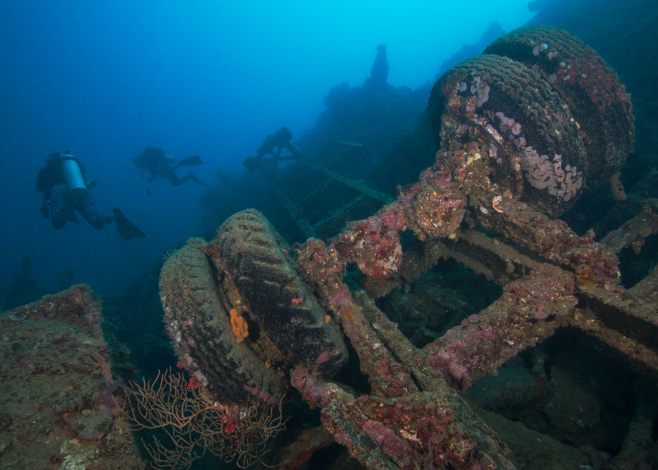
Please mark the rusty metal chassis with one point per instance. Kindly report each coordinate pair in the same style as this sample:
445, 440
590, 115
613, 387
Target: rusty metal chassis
414, 416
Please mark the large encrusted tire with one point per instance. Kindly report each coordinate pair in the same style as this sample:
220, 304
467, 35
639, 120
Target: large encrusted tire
256, 259
525, 126
199, 325
595, 95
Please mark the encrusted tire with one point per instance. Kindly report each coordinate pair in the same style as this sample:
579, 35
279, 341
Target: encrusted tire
256, 259
525, 125
595, 95
199, 325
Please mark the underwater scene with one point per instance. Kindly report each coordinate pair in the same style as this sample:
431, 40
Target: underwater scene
352, 235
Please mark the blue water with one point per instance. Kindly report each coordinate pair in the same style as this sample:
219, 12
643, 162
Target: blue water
106, 79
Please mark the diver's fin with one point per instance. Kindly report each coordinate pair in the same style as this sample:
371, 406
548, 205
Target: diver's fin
194, 178
126, 228
194, 160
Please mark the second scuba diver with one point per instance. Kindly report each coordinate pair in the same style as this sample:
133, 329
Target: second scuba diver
157, 163
64, 189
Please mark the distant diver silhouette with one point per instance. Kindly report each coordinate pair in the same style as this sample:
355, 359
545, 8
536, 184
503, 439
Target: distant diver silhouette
273, 144
157, 163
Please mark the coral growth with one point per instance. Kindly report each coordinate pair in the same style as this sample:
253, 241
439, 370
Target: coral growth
56, 405
193, 424
239, 325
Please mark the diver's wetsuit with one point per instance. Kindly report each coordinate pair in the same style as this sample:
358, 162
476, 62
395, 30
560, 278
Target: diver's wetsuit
59, 205
62, 208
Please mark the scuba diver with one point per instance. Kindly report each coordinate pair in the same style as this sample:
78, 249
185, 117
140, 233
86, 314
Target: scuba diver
157, 163
64, 189
274, 145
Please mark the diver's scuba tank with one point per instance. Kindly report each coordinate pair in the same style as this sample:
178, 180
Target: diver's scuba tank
74, 177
